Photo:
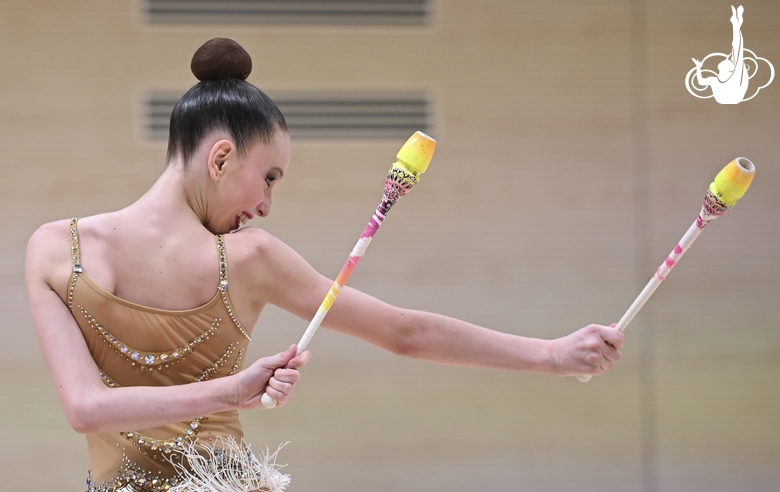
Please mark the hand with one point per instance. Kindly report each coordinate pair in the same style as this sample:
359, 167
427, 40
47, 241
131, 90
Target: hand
276, 375
588, 351
696, 62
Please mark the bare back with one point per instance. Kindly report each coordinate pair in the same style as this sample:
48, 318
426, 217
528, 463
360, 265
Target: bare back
149, 263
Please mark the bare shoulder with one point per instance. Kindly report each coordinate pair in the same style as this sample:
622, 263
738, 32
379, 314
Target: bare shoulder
252, 244
49, 241
48, 255
261, 258
273, 272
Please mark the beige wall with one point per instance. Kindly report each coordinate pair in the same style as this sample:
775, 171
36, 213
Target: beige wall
571, 159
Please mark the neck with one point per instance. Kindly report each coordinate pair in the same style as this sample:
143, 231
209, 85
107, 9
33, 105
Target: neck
174, 198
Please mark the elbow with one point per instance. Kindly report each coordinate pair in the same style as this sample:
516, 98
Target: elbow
81, 414
80, 426
409, 335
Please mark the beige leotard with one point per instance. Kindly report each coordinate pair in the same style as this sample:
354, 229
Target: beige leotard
135, 345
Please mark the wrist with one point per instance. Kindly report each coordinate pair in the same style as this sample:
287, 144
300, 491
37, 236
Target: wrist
551, 361
229, 392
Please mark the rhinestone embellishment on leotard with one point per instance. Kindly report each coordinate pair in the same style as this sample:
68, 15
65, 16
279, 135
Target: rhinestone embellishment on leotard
223, 285
167, 446
133, 477
145, 358
75, 259
108, 381
211, 371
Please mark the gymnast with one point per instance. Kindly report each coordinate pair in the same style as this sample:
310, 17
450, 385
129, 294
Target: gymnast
731, 84
144, 314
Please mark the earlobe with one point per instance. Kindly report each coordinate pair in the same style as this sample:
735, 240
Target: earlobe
221, 153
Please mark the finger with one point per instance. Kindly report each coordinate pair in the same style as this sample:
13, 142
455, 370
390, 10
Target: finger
300, 360
287, 375
279, 397
280, 392
611, 336
281, 359
612, 354
282, 387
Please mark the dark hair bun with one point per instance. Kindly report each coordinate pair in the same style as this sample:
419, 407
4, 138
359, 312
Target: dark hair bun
221, 58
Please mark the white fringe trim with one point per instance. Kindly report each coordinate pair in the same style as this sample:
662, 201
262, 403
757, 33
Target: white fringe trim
225, 465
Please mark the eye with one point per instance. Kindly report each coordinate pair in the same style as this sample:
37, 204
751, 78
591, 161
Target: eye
274, 174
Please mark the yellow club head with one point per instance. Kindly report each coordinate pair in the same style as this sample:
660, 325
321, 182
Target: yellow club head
732, 181
416, 153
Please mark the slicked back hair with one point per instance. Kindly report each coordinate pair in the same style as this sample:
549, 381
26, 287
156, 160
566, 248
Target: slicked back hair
231, 105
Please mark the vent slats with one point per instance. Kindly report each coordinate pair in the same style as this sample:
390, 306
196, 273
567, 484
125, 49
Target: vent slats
322, 115
334, 12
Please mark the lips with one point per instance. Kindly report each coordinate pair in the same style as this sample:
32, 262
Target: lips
241, 219
245, 216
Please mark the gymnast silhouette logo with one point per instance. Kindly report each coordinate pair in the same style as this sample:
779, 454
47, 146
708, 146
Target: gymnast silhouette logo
730, 84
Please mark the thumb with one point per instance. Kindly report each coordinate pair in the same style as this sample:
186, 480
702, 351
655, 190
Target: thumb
281, 359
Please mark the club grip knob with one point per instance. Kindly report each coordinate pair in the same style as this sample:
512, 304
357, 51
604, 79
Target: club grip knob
267, 401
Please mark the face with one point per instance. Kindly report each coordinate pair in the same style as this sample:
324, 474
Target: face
245, 189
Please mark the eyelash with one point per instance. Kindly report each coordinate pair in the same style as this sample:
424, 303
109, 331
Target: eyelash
269, 180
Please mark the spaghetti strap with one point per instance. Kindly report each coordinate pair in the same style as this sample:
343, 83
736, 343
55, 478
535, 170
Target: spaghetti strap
223, 284
75, 257
74, 245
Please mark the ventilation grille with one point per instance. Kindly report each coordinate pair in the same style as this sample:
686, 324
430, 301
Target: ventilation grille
333, 12
322, 115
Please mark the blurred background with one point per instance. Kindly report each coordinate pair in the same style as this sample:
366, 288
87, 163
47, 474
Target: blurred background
571, 159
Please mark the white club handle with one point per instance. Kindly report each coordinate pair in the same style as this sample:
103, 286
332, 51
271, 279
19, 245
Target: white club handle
267, 401
660, 275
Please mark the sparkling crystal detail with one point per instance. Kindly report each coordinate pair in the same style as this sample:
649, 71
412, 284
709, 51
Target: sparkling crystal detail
145, 357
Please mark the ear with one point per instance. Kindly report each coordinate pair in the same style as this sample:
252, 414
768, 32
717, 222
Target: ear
222, 152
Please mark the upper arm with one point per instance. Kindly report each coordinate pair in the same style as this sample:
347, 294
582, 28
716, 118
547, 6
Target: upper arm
64, 349
286, 280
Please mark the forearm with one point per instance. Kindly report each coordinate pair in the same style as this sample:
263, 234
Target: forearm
434, 337
445, 340
103, 409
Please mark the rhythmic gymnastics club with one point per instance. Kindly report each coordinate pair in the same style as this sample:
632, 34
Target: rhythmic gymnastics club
411, 161
729, 185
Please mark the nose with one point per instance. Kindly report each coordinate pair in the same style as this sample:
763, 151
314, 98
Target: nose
264, 208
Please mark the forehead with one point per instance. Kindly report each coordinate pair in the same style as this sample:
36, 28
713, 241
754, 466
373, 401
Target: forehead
274, 154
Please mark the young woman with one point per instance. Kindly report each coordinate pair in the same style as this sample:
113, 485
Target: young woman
130, 306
